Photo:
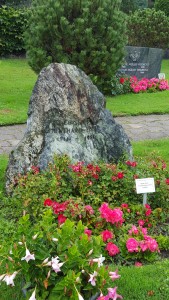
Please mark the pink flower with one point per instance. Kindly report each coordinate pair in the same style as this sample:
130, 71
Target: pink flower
111, 215
143, 230
143, 246
88, 232
148, 212
106, 234
89, 209
138, 264
151, 244
61, 219
114, 275
112, 293
132, 245
112, 249
103, 297
141, 222
133, 230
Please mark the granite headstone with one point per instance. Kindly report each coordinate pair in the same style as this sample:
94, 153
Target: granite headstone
142, 62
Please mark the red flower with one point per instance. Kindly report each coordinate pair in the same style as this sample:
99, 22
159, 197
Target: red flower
114, 178
94, 175
167, 181
61, 219
48, 202
120, 175
131, 163
35, 169
112, 249
106, 234
59, 207
124, 205
122, 80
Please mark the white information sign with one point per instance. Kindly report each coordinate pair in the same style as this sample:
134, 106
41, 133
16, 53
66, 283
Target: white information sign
145, 185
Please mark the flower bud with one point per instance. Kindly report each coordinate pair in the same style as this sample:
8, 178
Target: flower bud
54, 240
35, 236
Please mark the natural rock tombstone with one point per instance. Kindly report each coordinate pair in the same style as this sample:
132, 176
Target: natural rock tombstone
142, 62
67, 115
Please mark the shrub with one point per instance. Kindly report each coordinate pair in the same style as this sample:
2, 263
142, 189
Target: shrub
60, 263
162, 5
148, 28
12, 23
88, 34
128, 6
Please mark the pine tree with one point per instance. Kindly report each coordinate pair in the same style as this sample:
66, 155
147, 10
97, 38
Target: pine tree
88, 33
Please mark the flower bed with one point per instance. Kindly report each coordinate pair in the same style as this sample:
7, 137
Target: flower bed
123, 85
79, 221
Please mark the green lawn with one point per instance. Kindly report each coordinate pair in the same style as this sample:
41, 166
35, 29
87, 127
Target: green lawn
17, 81
16, 84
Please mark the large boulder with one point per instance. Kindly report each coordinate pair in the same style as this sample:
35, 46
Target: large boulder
67, 115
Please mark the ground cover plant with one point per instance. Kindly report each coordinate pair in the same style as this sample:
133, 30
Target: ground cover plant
92, 197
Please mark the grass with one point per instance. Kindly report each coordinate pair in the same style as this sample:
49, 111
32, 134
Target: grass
17, 81
142, 103
158, 147
16, 84
143, 283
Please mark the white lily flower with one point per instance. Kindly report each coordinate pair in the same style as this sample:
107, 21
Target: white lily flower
99, 260
92, 279
79, 296
33, 295
9, 278
56, 265
28, 256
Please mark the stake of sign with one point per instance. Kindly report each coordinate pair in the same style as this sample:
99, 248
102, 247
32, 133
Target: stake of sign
144, 199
